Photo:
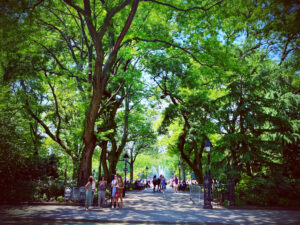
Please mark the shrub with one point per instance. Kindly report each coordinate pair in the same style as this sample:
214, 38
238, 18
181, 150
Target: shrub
264, 191
27, 178
60, 198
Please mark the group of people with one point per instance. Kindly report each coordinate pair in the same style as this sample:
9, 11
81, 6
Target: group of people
117, 186
161, 183
117, 191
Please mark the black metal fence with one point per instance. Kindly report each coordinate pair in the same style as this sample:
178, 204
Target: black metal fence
223, 194
213, 194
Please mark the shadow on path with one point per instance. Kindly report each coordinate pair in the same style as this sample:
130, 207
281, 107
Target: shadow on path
145, 207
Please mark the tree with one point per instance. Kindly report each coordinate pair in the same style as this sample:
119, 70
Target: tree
141, 137
94, 37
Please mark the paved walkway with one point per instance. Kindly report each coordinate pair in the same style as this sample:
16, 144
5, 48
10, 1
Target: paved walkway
145, 207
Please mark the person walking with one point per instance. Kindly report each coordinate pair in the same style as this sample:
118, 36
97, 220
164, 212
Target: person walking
163, 184
154, 181
175, 183
88, 193
115, 192
102, 191
160, 182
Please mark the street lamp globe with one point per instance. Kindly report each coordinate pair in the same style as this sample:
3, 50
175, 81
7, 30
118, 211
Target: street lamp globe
207, 146
146, 172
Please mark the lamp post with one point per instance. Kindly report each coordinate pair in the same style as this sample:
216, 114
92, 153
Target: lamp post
125, 158
207, 147
146, 176
207, 179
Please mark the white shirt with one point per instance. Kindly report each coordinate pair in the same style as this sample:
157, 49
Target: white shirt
114, 182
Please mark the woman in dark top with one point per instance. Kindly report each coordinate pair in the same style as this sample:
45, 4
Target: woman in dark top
101, 191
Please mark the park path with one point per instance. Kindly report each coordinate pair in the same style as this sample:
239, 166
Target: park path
146, 207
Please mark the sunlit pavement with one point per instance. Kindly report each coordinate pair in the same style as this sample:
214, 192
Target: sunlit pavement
145, 207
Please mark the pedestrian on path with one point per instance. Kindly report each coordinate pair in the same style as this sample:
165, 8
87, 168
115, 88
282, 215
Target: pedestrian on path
160, 183
175, 183
163, 184
88, 193
102, 191
115, 192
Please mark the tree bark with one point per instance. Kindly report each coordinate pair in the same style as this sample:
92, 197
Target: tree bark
100, 80
106, 171
196, 165
131, 171
183, 173
99, 168
85, 168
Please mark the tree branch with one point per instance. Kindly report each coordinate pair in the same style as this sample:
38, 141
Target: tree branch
173, 45
185, 10
77, 8
46, 128
126, 27
110, 15
113, 96
56, 109
64, 36
53, 56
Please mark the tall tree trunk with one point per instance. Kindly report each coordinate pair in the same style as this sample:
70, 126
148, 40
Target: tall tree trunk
183, 173
196, 165
199, 176
106, 171
89, 139
85, 168
100, 163
100, 80
131, 171
113, 164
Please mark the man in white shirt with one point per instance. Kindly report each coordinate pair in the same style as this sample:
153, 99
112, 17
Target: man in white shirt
114, 185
